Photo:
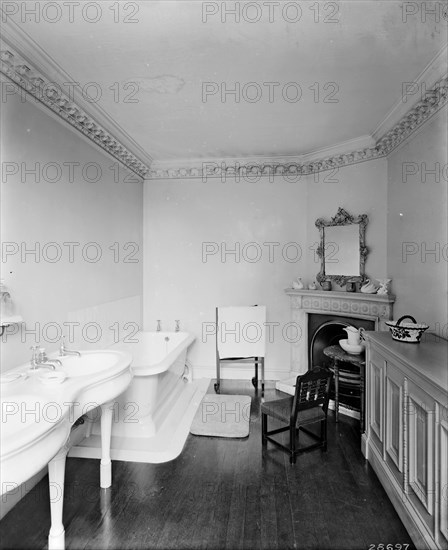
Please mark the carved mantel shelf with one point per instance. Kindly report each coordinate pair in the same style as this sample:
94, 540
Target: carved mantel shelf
344, 303
376, 307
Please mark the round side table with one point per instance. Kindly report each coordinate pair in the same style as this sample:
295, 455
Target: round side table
338, 355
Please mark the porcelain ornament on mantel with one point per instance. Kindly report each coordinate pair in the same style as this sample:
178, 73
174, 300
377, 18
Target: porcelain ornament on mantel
369, 287
384, 288
297, 284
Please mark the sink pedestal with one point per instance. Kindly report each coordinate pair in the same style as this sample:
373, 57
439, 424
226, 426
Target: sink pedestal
106, 431
56, 474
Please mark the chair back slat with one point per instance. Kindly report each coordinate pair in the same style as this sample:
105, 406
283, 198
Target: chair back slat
312, 390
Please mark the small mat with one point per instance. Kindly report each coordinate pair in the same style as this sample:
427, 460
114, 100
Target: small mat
222, 416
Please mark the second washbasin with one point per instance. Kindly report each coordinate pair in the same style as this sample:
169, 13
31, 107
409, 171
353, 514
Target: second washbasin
89, 363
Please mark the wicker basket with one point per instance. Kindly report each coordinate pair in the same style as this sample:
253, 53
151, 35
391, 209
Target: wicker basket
407, 332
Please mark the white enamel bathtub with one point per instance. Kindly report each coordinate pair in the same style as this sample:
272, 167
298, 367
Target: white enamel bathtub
152, 418
159, 370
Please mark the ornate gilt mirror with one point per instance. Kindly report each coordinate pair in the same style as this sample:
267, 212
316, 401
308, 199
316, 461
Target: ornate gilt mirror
342, 249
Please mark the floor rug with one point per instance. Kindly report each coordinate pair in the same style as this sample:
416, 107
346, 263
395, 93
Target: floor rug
222, 416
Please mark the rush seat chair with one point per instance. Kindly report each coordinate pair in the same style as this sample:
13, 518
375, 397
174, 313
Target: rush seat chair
309, 405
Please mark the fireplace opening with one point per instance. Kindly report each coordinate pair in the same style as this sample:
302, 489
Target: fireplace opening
326, 330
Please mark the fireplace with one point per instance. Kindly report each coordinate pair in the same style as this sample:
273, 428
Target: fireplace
326, 330
315, 311
321, 317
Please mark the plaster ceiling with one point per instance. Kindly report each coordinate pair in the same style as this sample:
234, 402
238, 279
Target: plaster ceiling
362, 51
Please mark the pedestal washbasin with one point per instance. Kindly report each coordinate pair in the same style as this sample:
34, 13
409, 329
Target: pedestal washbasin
88, 363
37, 414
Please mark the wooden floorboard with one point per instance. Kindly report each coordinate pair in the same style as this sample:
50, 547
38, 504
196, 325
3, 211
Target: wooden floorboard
221, 493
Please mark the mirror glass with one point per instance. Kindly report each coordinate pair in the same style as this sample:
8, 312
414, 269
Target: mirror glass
342, 249
344, 240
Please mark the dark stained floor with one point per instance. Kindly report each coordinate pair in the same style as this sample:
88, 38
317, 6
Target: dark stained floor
221, 493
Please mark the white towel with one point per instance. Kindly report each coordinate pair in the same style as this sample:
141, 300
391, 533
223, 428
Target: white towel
241, 331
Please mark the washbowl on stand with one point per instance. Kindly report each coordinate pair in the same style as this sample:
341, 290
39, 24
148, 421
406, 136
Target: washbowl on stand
94, 379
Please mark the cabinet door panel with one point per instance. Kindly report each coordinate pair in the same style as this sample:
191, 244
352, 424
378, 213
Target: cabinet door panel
376, 402
394, 421
421, 426
443, 481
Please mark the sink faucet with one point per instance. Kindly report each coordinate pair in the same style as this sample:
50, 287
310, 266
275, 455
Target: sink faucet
159, 327
39, 359
64, 351
177, 328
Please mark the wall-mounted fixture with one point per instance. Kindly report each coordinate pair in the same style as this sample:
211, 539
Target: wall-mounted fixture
7, 315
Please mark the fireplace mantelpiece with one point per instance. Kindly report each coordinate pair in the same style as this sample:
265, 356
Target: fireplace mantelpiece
376, 307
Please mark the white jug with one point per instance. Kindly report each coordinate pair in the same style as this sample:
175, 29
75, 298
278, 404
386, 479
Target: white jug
354, 338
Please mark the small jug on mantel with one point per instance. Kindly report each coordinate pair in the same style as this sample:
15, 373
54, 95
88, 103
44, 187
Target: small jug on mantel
353, 335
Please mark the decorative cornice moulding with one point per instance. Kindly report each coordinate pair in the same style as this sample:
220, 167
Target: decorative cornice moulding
30, 80
413, 92
434, 99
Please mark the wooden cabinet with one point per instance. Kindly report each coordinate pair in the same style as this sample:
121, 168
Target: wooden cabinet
442, 480
406, 439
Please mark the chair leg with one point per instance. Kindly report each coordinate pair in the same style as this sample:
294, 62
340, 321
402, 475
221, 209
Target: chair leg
255, 378
264, 429
323, 432
292, 444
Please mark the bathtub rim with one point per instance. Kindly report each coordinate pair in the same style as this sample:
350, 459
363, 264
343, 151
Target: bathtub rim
166, 362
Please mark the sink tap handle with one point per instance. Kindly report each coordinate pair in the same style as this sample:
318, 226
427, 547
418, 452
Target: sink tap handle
34, 355
62, 347
42, 356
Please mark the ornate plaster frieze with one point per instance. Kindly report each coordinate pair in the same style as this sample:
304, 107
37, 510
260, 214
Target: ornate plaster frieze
434, 99
33, 82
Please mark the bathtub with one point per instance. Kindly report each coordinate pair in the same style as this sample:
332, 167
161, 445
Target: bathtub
160, 372
152, 418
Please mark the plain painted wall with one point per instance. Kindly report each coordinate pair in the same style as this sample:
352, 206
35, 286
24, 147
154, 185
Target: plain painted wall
417, 253
191, 227
82, 211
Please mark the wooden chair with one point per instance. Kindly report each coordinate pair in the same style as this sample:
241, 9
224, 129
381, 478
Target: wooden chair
309, 405
236, 343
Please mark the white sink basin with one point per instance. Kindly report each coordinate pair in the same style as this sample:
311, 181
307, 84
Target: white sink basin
21, 410
89, 363
37, 412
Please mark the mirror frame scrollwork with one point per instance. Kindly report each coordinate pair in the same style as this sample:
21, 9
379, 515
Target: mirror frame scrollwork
343, 218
